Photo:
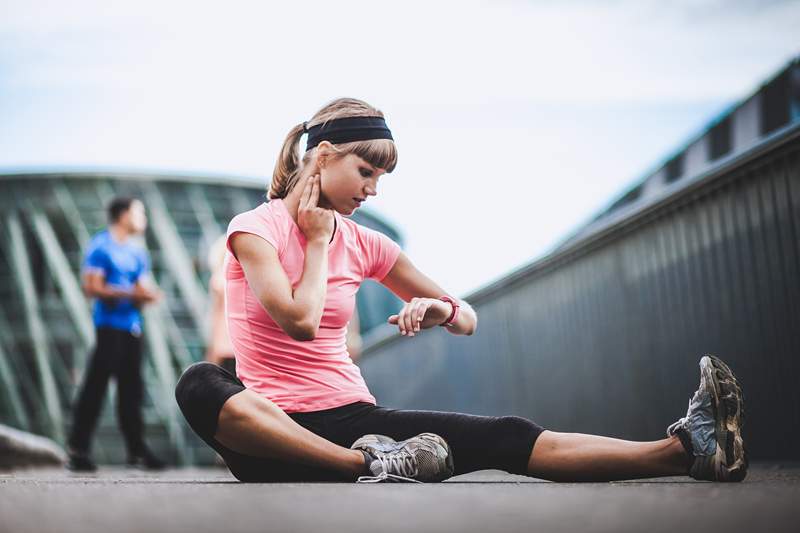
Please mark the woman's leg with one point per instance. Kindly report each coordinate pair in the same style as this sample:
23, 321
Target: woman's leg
252, 425
517, 445
258, 441
476, 442
578, 457
711, 430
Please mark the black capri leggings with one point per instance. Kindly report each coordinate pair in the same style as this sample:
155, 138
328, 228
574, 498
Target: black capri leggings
476, 442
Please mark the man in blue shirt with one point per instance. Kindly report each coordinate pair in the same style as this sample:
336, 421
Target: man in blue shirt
114, 272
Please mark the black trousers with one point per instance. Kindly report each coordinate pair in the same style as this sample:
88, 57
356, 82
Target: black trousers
118, 353
476, 442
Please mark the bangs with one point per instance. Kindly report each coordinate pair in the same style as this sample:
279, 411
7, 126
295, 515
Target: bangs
380, 153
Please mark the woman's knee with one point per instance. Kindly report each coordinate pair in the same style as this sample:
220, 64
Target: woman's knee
518, 436
192, 381
515, 426
200, 393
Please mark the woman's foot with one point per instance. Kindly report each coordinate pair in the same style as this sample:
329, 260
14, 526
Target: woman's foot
711, 431
423, 458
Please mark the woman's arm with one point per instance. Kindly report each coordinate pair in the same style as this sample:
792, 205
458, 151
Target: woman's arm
423, 309
297, 311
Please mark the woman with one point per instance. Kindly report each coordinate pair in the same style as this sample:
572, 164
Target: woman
302, 410
219, 349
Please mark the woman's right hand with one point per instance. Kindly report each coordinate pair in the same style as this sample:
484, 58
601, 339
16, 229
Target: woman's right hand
315, 222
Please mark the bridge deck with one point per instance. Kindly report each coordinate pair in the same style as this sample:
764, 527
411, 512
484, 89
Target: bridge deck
211, 500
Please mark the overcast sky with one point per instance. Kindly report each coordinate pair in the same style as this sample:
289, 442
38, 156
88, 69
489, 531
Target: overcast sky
516, 121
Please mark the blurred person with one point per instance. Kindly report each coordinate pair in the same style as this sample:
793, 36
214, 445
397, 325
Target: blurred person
300, 409
115, 273
219, 349
353, 339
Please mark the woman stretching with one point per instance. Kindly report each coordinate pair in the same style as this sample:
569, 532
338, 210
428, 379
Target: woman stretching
299, 409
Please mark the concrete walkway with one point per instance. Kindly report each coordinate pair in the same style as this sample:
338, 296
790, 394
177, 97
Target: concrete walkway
200, 500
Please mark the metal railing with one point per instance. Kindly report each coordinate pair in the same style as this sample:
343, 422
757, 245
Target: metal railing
604, 335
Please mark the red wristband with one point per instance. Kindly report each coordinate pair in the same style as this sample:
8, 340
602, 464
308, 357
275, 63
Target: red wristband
454, 315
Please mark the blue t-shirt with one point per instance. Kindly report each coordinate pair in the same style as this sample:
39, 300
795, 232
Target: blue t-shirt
122, 265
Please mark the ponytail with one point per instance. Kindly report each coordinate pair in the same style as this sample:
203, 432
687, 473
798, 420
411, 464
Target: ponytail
287, 168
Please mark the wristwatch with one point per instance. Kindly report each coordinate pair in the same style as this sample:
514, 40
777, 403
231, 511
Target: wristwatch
454, 315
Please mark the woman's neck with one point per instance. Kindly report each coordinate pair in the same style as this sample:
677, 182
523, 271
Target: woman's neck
292, 200
292, 203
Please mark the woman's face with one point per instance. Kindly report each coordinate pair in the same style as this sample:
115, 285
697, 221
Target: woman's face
347, 182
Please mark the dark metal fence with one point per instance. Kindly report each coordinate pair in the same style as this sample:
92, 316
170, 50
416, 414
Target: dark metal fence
604, 335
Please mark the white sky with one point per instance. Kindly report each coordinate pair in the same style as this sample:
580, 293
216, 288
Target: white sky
516, 121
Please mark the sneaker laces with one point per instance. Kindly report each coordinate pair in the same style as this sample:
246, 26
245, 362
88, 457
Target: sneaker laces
404, 465
699, 424
383, 476
680, 423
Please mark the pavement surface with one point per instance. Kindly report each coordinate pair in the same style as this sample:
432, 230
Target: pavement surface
200, 500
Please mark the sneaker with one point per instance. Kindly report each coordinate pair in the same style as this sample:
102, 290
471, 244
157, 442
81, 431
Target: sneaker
711, 431
423, 458
145, 460
80, 462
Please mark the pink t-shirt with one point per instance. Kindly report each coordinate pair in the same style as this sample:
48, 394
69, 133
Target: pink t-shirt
313, 375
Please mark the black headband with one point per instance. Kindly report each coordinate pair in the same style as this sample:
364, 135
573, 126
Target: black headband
345, 130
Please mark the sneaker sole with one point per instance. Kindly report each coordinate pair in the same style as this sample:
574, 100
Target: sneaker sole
731, 457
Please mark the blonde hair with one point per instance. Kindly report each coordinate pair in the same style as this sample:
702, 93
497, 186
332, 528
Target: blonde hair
380, 153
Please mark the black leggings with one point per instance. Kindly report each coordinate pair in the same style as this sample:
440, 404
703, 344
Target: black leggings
476, 442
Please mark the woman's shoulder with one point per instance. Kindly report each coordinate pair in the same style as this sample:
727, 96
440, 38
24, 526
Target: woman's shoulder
266, 213
267, 221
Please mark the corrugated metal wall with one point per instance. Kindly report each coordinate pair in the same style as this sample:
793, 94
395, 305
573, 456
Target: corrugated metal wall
604, 336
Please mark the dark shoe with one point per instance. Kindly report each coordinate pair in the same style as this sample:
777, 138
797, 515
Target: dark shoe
145, 461
80, 462
711, 431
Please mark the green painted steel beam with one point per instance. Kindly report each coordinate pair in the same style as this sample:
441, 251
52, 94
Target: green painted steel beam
38, 334
11, 390
23, 380
70, 211
180, 347
175, 256
240, 200
65, 279
156, 339
205, 216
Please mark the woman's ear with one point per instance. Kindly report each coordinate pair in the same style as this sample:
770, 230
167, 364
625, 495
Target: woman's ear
324, 151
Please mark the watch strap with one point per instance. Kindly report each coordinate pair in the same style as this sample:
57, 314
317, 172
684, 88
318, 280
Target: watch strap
454, 315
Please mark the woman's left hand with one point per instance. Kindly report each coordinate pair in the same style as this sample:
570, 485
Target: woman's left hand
421, 313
